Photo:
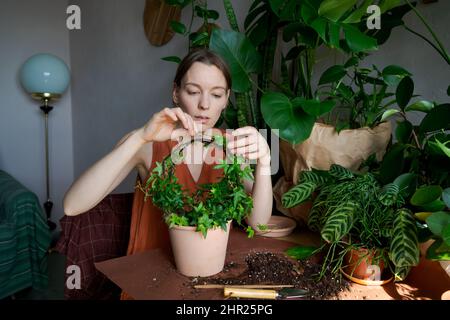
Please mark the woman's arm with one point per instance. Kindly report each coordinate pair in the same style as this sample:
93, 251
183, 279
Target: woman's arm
262, 194
251, 145
106, 174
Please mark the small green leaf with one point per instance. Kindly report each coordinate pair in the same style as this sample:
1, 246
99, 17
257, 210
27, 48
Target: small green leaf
200, 38
436, 119
438, 221
436, 205
172, 59
393, 74
388, 113
423, 232
351, 62
213, 14
393, 163
422, 105
250, 232
404, 91
332, 74
441, 146
438, 251
219, 139
425, 195
263, 227
358, 41
406, 183
178, 27
403, 131
301, 252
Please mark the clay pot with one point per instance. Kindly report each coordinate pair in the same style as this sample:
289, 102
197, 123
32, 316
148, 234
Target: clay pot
366, 265
197, 256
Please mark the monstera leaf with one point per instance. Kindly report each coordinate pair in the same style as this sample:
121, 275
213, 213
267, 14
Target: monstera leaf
288, 116
240, 55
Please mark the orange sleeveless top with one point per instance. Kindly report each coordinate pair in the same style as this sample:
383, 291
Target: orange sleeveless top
148, 229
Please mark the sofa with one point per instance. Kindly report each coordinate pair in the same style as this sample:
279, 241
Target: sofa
24, 238
99, 234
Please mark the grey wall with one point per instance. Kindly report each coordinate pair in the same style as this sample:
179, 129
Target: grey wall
27, 28
119, 78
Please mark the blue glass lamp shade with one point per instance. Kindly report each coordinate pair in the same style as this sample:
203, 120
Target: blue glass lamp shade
45, 73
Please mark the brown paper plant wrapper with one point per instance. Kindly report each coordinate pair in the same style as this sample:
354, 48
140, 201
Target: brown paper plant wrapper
157, 17
323, 148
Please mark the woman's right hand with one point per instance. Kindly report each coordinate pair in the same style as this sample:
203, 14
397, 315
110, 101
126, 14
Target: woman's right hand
162, 126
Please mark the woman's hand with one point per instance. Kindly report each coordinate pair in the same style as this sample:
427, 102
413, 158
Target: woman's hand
250, 144
162, 126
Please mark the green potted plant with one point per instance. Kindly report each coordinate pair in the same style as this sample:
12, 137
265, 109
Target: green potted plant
431, 206
354, 124
357, 216
199, 223
422, 149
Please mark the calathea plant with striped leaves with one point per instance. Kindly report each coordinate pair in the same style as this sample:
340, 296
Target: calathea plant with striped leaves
353, 210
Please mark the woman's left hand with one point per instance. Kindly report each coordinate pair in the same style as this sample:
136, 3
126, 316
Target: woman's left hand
250, 144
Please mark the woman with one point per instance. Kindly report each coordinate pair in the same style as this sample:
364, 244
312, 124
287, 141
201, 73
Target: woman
200, 93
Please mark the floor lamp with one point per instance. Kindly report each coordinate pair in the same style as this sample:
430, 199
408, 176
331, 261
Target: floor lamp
45, 77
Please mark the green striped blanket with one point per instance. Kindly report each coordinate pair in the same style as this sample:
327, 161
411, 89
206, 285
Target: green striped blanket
24, 238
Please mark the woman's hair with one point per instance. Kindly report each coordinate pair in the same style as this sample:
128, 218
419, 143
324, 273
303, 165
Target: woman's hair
205, 56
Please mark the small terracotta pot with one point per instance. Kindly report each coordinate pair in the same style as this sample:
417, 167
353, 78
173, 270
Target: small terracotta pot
197, 256
361, 264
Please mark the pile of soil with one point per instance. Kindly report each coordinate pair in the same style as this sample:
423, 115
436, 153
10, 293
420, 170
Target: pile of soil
274, 268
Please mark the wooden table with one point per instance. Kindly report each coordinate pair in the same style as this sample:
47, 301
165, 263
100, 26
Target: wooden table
152, 275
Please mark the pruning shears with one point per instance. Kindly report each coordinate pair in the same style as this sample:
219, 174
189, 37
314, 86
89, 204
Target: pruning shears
286, 293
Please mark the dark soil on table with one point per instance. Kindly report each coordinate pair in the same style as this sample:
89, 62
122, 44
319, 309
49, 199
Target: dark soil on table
277, 269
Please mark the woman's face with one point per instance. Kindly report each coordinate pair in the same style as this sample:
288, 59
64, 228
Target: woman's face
203, 94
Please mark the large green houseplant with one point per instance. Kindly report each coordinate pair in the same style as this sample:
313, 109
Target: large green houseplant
353, 211
305, 26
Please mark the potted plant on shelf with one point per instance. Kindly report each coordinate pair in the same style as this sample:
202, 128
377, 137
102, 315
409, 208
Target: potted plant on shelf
361, 222
199, 223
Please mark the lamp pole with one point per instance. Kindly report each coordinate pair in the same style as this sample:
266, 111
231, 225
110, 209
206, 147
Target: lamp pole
48, 204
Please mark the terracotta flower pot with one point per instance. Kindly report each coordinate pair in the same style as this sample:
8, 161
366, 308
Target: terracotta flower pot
363, 264
197, 256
